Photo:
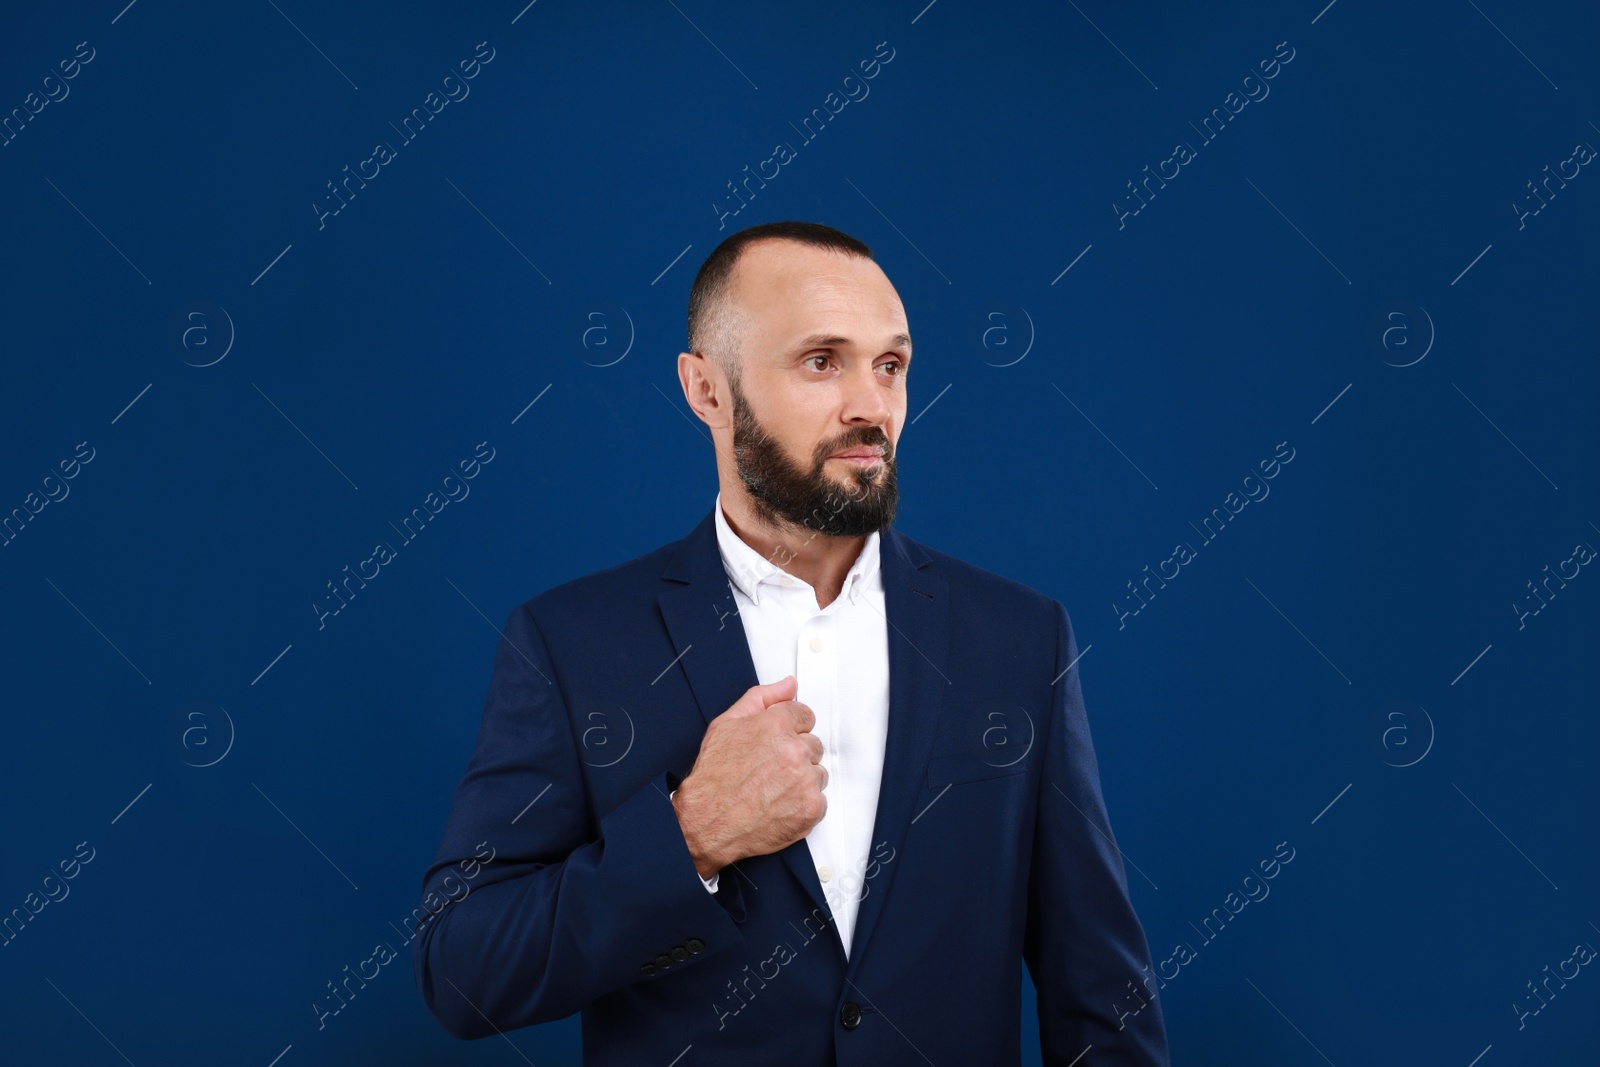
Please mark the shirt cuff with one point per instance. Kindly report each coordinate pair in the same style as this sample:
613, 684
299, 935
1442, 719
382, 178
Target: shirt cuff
709, 883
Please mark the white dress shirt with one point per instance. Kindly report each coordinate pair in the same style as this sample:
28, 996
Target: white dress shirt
839, 656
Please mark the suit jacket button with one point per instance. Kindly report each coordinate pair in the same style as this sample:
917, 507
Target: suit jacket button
678, 953
648, 969
695, 945
850, 1015
663, 962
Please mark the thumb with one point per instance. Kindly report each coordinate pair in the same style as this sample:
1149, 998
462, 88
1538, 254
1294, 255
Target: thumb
759, 697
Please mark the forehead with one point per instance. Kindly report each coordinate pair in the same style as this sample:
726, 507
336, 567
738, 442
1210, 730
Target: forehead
788, 288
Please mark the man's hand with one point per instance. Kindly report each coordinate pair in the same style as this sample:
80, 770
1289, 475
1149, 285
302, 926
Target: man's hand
756, 786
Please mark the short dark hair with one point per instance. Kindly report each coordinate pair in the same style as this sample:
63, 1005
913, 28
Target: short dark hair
711, 283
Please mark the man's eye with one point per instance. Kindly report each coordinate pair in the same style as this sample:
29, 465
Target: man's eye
812, 359
895, 365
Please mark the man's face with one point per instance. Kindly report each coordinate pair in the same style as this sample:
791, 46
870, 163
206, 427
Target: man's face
824, 349
859, 501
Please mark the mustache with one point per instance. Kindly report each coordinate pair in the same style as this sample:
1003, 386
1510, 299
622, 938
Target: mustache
866, 437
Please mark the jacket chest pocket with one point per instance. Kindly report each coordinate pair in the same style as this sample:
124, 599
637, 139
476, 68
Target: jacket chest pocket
959, 769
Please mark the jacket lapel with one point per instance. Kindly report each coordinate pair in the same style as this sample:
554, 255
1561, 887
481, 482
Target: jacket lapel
708, 637
917, 604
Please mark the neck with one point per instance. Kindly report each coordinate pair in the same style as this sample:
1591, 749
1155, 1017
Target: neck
818, 559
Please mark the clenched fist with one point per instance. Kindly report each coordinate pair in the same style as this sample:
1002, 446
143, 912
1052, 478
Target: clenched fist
756, 786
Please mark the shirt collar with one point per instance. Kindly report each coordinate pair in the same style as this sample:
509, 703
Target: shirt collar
748, 570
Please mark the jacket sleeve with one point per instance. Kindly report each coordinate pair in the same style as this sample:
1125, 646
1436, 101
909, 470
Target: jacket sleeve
1083, 944
535, 905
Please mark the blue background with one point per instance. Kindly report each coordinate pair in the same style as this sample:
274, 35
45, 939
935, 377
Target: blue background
1343, 668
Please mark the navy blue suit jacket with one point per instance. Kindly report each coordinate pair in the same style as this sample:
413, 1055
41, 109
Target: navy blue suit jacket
563, 883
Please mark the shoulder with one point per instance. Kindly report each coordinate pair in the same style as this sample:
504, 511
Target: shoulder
605, 590
969, 581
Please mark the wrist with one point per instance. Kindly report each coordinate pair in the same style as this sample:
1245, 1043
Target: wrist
706, 863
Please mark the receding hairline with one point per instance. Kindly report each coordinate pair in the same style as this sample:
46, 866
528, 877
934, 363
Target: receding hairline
710, 332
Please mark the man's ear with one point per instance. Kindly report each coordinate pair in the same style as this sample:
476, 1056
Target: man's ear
705, 389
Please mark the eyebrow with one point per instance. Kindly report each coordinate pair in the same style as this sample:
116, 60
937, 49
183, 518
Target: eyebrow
818, 340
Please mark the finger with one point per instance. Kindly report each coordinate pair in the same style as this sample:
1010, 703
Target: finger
783, 689
804, 718
759, 697
814, 744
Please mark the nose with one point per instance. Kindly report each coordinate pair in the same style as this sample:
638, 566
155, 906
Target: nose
865, 398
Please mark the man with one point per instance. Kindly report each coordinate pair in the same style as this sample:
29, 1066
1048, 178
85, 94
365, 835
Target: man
795, 789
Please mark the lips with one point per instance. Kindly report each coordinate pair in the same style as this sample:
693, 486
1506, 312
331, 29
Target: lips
859, 454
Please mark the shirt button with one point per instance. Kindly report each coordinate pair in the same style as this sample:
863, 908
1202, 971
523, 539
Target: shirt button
825, 872
816, 644
785, 580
